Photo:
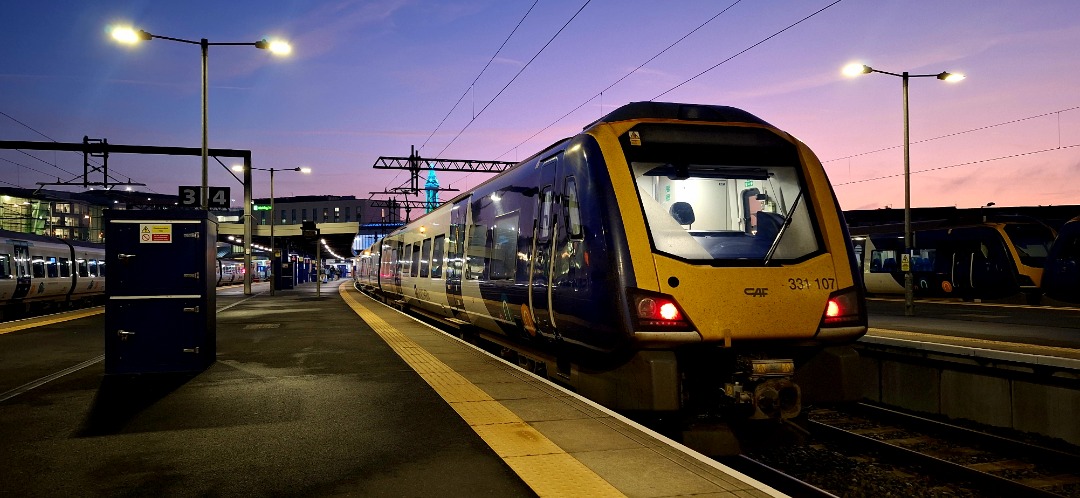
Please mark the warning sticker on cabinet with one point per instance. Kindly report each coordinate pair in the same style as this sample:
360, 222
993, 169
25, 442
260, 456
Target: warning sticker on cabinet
155, 234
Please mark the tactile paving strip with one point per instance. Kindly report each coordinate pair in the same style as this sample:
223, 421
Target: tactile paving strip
528, 452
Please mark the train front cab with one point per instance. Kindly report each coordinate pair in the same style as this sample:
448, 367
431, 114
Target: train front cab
1061, 276
741, 263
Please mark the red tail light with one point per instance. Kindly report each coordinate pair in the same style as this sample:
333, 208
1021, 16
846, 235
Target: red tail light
657, 311
844, 308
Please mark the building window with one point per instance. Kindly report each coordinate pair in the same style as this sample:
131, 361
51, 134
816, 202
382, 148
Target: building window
325, 214
283, 219
294, 215
347, 210
303, 213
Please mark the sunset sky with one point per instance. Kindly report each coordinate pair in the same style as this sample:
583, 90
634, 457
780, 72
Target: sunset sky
372, 78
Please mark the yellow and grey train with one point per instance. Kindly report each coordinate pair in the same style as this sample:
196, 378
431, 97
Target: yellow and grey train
669, 258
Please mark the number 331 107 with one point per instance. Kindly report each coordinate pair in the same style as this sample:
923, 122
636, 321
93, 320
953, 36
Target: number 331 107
827, 283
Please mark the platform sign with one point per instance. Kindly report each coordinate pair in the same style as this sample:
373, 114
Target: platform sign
155, 233
217, 197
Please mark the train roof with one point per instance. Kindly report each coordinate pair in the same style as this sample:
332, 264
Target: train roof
685, 112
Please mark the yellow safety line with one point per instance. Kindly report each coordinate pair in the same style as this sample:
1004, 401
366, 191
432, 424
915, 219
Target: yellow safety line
49, 320
542, 464
987, 342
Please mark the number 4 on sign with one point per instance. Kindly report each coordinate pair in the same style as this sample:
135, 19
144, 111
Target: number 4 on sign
218, 197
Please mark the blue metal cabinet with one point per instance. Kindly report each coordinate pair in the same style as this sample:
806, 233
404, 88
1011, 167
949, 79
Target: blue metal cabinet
161, 312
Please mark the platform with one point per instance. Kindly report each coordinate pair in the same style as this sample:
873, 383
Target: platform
331, 395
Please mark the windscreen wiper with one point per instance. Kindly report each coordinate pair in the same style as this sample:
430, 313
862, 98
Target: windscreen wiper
783, 228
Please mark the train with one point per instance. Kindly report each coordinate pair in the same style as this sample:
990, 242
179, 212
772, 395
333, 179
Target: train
39, 272
670, 258
42, 273
1061, 276
229, 272
988, 257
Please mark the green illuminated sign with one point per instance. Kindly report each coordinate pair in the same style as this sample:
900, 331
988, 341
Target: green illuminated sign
261, 207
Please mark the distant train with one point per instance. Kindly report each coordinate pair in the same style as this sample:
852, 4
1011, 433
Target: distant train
1061, 276
671, 257
43, 273
991, 258
38, 272
229, 272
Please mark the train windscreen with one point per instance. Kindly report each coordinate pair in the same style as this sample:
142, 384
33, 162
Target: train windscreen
1032, 242
721, 193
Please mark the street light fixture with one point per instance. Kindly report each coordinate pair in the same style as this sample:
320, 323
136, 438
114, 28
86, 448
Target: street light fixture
856, 70
273, 254
125, 34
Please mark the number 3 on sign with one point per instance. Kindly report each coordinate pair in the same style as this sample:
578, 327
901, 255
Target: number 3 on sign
189, 195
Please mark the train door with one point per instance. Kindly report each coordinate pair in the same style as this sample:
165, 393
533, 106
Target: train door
980, 266
859, 245
540, 318
22, 270
455, 253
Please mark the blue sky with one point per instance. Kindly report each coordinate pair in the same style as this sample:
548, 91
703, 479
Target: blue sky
371, 78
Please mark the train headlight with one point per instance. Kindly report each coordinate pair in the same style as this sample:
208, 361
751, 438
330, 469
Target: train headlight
657, 311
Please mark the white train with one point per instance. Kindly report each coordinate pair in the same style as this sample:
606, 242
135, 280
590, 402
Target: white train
38, 272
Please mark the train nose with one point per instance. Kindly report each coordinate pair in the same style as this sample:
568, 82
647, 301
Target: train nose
777, 398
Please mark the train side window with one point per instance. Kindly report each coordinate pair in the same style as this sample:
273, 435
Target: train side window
477, 252
5, 266
52, 267
415, 260
504, 238
84, 269
546, 200
884, 261
437, 256
93, 268
425, 257
65, 268
38, 266
573, 209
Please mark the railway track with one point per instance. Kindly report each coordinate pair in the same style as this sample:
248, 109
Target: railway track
866, 450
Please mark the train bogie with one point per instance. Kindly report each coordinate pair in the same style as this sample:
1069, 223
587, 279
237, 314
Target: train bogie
665, 251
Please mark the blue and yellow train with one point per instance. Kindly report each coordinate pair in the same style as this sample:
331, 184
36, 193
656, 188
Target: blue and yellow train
671, 257
989, 257
1061, 276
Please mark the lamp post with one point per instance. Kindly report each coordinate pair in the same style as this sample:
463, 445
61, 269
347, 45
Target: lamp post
855, 70
273, 250
130, 36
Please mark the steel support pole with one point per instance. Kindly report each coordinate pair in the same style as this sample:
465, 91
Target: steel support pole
248, 220
205, 45
909, 291
273, 250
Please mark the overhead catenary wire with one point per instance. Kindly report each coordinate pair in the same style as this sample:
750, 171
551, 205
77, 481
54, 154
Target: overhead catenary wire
957, 165
471, 87
579, 106
981, 128
73, 176
481, 73
747, 49
522, 70
620, 80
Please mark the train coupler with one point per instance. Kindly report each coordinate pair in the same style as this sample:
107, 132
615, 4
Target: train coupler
768, 392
